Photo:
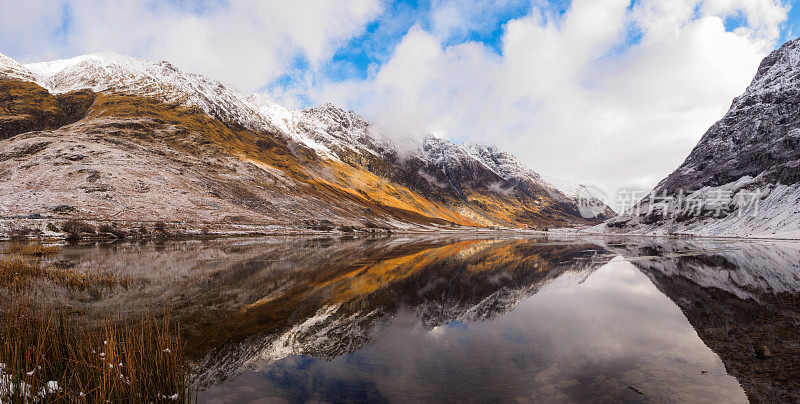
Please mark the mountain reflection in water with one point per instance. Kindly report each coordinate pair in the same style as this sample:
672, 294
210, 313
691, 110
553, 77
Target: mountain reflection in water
485, 319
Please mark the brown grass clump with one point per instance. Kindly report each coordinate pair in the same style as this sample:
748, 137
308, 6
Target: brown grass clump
79, 280
32, 249
27, 107
15, 269
112, 231
55, 356
21, 264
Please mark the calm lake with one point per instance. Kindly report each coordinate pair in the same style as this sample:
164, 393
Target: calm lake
467, 318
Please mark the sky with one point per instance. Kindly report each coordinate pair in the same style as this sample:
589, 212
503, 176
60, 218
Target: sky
610, 93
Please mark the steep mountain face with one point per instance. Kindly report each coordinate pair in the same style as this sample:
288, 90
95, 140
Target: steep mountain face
108, 136
743, 177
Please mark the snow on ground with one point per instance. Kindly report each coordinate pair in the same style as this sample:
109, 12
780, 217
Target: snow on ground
774, 215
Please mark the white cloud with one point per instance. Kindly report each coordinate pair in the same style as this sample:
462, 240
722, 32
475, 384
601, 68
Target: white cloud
763, 16
247, 43
568, 95
25, 26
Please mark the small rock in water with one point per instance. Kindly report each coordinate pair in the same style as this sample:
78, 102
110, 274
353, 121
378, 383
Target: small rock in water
636, 390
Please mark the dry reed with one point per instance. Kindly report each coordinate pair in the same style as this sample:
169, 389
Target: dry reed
32, 249
56, 356
52, 355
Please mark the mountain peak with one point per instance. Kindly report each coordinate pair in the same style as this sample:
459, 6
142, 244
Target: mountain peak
102, 71
330, 110
777, 74
786, 53
327, 105
160, 80
500, 161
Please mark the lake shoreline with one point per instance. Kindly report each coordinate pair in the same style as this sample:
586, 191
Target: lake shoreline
52, 229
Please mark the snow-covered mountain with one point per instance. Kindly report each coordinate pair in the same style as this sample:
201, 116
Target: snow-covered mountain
108, 72
10, 68
743, 177
327, 129
161, 80
273, 164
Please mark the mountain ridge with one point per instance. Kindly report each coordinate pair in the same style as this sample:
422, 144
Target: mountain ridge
337, 168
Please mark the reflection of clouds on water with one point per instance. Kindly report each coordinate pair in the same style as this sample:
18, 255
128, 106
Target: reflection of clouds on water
742, 298
454, 318
579, 340
626, 279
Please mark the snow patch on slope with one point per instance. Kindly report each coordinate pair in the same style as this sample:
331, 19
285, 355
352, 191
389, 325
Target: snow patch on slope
9, 67
772, 212
501, 162
776, 74
443, 152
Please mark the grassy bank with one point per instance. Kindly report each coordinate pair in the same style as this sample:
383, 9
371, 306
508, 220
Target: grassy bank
54, 355
32, 249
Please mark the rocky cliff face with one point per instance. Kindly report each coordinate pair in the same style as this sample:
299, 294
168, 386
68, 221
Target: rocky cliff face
743, 177
108, 136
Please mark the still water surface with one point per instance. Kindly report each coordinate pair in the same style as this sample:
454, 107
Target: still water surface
465, 319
